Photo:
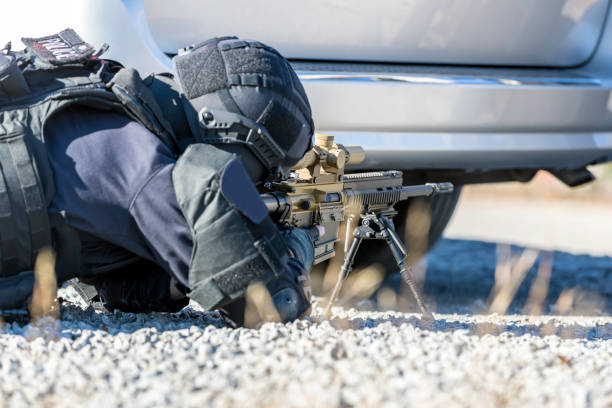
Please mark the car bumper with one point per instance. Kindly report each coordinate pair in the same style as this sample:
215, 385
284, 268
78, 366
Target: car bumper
417, 117
479, 151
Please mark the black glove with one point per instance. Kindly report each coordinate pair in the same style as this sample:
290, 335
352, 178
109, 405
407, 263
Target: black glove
290, 292
300, 244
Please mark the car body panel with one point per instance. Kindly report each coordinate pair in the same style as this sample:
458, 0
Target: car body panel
474, 119
428, 99
407, 116
479, 152
472, 32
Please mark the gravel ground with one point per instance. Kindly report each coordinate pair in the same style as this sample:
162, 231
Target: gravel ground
363, 356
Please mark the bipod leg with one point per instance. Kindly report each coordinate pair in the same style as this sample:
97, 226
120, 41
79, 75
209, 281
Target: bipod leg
399, 252
344, 271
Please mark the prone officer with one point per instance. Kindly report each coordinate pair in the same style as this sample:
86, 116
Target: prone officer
145, 188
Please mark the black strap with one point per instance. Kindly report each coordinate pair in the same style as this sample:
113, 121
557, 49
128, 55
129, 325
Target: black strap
8, 242
67, 246
27, 230
141, 104
228, 101
31, 191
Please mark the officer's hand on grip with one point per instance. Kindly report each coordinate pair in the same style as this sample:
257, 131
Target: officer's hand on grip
291, 292
300, 242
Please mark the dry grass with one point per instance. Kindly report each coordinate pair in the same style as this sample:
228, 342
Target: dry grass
416, 236
509, 274
362, 284
44, 295
565, 302
386, 298
259, 307
539, 289
44, 307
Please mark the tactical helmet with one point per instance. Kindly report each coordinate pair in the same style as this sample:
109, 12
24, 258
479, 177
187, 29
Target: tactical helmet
244, 92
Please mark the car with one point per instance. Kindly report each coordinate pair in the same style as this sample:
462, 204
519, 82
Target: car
468, 92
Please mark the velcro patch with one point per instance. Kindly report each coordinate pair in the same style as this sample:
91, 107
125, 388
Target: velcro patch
238, 189
59, 49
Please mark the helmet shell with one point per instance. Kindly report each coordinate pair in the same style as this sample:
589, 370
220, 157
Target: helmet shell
245, 92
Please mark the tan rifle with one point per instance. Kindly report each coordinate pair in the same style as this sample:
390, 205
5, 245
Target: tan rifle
319, 192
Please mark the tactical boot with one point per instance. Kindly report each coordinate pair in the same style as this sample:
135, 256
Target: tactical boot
138, 288
139, 293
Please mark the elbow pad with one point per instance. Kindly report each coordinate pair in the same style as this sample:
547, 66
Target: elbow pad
234, 240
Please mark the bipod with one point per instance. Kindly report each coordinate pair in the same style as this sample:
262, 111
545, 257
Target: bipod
378, 226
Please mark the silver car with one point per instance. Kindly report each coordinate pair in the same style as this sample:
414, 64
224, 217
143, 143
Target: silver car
469, 91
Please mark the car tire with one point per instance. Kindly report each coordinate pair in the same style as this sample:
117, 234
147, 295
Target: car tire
442, 208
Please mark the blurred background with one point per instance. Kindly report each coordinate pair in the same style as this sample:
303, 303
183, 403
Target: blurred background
544, 214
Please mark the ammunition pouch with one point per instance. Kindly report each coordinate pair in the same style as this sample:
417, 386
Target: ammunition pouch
234, 240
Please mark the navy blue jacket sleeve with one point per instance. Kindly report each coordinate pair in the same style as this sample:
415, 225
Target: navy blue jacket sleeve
113, 179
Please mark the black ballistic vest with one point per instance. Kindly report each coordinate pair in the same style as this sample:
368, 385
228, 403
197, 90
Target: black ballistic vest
51, 74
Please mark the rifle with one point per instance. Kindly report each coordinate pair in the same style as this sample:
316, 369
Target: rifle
318, 192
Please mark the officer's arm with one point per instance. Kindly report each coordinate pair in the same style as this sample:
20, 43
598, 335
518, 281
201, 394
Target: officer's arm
235, 243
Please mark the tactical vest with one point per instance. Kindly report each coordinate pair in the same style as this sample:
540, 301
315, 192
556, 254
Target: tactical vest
51, 74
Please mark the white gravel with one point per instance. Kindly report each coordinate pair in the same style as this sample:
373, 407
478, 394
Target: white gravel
359, 358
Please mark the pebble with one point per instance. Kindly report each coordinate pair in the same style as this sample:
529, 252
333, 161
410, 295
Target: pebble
361, 358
